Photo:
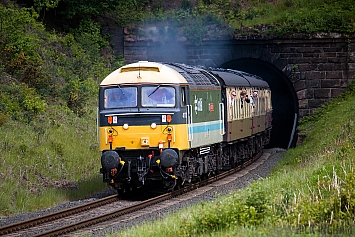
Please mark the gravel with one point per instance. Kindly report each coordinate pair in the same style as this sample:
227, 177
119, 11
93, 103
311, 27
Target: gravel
261, 171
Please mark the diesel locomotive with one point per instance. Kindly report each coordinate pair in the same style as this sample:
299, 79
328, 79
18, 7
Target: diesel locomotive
170, 124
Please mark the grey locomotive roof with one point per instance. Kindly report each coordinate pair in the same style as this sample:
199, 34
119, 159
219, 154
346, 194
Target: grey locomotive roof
196, 77
238, 78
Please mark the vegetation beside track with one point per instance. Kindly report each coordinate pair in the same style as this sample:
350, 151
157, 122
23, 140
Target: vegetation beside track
311, 192
48, 99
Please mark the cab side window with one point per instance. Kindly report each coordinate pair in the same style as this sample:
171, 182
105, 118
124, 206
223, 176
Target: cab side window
183, 97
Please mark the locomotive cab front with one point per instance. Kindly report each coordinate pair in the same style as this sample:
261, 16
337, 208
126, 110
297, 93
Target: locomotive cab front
142, 127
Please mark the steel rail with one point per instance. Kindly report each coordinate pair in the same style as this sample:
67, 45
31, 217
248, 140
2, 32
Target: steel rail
108, 216
8, 229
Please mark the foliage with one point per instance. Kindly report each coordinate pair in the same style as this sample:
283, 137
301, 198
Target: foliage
21, 102
196, 22
17, 30
77, 93
282, 17
19, 46
122, 15
88, 36
324, 17
67, 67
247, 209
300, 16
44, 5
194, 25
3, 118
83, 8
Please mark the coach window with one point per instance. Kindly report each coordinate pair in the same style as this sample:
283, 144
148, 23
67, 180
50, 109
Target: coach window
262, 103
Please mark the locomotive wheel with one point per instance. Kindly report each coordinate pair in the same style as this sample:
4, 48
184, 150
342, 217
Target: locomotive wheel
170, 185
179, 184
125, 189
121, 190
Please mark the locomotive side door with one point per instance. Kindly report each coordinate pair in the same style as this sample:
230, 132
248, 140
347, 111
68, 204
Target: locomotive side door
186, 109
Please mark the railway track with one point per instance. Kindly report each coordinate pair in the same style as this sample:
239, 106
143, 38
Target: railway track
86, 215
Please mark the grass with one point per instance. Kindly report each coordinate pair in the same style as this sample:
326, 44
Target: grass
54, 158
310, 193
303, 16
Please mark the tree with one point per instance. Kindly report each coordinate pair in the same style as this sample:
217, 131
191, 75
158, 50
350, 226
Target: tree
44, 5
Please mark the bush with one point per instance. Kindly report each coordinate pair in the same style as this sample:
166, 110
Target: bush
240, 209
3, 118
21, 102
30, 101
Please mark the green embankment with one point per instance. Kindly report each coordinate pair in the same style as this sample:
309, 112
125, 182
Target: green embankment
311, 192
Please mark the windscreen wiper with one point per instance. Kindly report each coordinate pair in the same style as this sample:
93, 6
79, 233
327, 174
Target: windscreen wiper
154, 90
125, 97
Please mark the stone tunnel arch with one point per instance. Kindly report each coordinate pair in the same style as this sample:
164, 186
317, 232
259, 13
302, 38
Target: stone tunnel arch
284, 98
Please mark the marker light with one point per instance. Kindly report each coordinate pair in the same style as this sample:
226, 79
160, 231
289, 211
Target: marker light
125, 126
110, 139
168, 118
153, 125
109, 119
113, 171
161, 145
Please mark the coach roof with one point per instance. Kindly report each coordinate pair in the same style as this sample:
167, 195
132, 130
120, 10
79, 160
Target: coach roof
238, 78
